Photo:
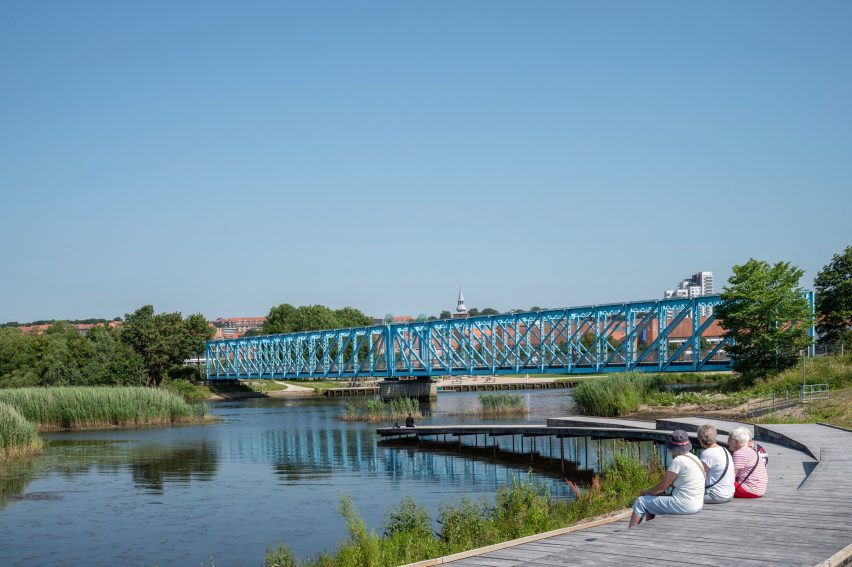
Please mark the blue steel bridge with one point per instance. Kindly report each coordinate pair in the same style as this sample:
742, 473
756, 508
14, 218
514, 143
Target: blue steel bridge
667, 335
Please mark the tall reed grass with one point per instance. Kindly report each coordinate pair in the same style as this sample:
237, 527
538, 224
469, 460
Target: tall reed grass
501, 404
611, 396
523, 508
17, 435
83, 407
377, 410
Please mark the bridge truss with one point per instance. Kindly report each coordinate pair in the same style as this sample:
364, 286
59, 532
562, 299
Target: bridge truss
656, 336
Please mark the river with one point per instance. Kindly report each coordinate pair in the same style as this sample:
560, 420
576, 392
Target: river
267, 471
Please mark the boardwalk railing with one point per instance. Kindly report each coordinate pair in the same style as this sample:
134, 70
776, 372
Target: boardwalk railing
786, 398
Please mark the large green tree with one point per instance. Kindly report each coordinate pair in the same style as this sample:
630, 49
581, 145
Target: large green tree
765, 311
285, 318
163, 340
834, 298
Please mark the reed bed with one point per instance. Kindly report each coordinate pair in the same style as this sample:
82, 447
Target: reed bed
377, 410
17, 435
82, 407
611, 396
502, 404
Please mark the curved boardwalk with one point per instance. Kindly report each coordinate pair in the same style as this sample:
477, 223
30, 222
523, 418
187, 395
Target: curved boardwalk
804, 519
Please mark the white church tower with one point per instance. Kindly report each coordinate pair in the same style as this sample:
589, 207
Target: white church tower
461, 310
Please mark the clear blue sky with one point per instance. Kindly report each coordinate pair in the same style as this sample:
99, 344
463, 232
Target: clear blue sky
226, 157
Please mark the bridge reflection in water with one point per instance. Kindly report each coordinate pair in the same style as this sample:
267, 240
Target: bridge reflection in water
301, 453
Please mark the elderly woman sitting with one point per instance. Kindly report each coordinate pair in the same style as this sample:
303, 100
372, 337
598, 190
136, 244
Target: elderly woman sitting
686, 477
719, 486
750, 466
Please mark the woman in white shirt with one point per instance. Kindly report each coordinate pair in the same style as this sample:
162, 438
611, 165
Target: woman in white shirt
719, 465
686, 477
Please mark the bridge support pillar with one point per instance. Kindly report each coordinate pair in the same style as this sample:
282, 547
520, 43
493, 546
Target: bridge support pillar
421, 389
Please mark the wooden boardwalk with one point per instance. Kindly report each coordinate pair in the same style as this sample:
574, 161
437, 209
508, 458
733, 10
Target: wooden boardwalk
804, 519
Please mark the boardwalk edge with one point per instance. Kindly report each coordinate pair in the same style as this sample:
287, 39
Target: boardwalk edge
600, 521
839, 559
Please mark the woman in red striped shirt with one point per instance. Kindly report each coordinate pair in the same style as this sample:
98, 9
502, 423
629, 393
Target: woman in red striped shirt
750, 467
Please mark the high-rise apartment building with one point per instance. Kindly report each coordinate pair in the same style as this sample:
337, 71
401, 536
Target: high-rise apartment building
696, 285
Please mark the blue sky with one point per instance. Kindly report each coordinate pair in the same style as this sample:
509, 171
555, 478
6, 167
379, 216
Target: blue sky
227, 157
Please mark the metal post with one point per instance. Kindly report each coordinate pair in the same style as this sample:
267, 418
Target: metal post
562, 454
802, 352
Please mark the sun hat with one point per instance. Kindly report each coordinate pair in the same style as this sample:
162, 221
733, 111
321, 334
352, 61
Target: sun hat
679, 441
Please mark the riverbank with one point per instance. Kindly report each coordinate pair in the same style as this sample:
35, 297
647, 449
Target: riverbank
640, 396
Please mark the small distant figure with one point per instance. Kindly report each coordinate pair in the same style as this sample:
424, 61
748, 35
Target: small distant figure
396, 425
409, 421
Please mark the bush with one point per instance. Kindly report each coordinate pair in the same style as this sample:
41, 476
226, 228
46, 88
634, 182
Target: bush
17, 435
279, 556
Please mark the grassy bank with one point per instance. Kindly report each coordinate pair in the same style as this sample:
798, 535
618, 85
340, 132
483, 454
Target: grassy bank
837, 410
83, 407
619, 394
377, 410
520, 509
17, 435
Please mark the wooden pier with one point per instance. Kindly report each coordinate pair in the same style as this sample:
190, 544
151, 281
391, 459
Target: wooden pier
805, 518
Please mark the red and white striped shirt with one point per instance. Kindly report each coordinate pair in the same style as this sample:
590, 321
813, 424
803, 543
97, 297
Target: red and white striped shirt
744, 459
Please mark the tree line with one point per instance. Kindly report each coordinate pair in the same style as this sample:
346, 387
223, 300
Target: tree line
145, 350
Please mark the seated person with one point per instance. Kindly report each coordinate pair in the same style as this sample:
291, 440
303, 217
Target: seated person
719, 485
409, 421
686, 477
750, 467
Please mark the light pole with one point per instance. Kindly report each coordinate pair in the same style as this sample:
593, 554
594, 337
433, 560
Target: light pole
802, 352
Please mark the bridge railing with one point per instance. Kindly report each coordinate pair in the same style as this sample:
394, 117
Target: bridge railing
660, 336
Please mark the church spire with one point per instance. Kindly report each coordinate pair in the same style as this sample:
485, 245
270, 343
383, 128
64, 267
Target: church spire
460, 308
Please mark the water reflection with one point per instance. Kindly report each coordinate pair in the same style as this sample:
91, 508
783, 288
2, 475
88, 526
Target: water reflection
268, 471
151, 466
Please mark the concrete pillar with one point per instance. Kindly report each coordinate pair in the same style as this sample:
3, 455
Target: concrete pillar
421, 389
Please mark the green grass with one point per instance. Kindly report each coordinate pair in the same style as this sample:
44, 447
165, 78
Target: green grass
263, 386
319, 386
836, 410
17, 435
377, 410
501, 404
523, 508
83, 407
187, 390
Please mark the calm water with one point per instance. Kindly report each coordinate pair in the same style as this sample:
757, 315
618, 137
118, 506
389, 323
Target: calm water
270, 470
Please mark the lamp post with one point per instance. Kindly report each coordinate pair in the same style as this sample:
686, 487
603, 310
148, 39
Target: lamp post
802, 352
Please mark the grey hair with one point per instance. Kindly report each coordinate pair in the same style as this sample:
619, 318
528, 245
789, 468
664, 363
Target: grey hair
742, 435
707, 434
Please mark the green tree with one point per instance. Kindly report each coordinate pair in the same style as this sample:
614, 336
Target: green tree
163, 340
473, 312
765, 312
285, 318
445, 315
489, 311
834, 298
